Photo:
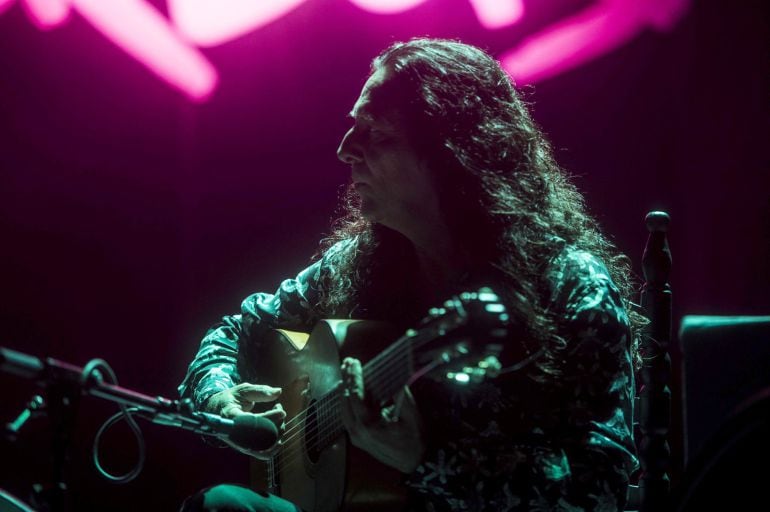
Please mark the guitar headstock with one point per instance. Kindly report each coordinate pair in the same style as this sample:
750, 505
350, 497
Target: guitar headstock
463, 338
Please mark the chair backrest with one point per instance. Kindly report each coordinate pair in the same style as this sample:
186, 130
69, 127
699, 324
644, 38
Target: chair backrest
726, 361
653, 411
726, 397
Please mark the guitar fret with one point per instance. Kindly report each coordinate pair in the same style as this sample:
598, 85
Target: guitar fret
383, 377
328, 420
389, 371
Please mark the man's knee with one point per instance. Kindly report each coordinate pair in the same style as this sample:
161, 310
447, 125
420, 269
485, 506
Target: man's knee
235, 498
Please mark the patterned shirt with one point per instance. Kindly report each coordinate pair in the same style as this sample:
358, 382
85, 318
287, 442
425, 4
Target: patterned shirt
517, 442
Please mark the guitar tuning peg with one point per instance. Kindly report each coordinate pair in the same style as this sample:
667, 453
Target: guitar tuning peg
490, 363
475, 375
494, 307
436, 312
487, 295
459, 377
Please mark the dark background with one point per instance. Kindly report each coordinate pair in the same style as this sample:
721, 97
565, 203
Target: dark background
132, 219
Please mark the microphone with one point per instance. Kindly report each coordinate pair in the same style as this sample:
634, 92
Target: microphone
246, 431
253, 432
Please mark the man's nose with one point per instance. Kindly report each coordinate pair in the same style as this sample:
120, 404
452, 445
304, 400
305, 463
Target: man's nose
350, 150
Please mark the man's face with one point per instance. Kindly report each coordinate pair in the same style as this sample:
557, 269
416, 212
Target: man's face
394, 185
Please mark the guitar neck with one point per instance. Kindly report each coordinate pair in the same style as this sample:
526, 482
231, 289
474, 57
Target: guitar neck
384, 376
387, 373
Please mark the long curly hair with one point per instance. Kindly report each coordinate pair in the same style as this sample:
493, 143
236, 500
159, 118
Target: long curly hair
508, 204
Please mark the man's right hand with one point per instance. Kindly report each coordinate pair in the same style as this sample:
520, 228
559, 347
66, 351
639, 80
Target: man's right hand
241, 399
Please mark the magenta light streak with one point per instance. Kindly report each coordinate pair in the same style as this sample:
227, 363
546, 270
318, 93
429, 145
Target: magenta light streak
664, 14
47, 14
209, 22
386, 6
145, 34
4, 4
167, 48
494, 14
594, 31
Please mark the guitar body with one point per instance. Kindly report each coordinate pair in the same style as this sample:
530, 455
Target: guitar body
337, 475
315, 467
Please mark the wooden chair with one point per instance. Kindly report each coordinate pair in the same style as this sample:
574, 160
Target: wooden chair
653, 401
725, 397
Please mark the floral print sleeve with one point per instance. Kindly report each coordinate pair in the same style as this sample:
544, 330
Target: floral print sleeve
517, 442
216, 367
598, 381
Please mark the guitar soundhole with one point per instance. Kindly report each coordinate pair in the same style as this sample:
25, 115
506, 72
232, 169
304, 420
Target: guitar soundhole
312, 431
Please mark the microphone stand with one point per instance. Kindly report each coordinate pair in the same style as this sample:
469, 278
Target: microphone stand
63, 386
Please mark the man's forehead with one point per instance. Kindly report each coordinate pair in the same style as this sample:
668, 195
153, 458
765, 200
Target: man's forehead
363, 108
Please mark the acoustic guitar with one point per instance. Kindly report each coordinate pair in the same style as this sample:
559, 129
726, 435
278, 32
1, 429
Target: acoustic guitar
315, 467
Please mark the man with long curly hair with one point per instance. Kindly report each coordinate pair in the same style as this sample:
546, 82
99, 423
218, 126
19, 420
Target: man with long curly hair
453, 188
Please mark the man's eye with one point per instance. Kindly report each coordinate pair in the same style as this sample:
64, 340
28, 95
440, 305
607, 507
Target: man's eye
378, 131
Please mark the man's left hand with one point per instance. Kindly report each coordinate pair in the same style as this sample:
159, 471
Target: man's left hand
393, 434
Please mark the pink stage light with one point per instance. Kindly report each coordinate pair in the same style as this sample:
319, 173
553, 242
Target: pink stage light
595, 31
4, 4
47, 14
168, 47
386, 6
494, 14
145, 34
209, 23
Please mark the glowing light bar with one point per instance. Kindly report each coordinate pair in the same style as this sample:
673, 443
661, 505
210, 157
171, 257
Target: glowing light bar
47, 13
145, 34
167, 47
596, 30
209, 23
4, 4
386, 6
494, 14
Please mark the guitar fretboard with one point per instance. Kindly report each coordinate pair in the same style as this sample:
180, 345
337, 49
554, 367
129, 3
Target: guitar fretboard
384, 376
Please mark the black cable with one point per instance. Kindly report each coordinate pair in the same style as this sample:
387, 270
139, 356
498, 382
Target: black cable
92, 371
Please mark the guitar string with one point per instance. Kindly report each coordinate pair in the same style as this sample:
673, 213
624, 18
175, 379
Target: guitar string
317, 434
328, 405
378, 365
372, 374
374, 370
329, 401
327, 413
459, 315
321, 431
291, 453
